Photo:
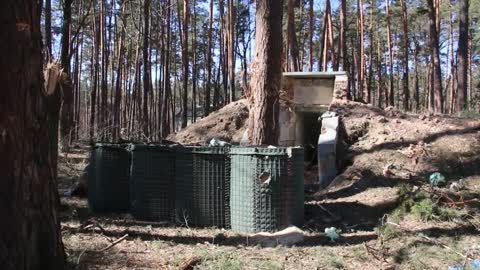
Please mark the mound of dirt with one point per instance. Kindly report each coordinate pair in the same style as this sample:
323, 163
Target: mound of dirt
227, 124
388, 147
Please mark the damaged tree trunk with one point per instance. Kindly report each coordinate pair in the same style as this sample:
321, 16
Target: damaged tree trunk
267, 74
30, 228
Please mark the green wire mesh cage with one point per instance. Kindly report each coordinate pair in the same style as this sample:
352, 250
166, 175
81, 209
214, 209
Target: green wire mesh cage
203, 186
152, 182
108, 178
267, 188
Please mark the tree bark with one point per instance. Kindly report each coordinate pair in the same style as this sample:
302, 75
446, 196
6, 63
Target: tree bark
146, 67
390, 95
267, 77
66, 116
462, 53
48, 26
310, 36
434, 45
292, 38
186, 12
30, 235
209, 61
406, 43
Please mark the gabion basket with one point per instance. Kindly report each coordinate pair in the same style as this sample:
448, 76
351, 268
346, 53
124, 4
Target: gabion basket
152, 182
203, 186
108, 178
267, 189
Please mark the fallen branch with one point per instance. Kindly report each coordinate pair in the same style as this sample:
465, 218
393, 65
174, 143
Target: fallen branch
114, 243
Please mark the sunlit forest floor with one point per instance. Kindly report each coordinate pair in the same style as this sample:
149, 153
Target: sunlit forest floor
389, 215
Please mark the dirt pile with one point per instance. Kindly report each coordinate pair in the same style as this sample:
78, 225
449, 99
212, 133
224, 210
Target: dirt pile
227, 124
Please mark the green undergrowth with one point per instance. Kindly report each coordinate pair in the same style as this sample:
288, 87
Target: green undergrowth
419, 204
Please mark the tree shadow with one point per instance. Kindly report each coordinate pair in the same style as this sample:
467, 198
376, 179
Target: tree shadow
428, 139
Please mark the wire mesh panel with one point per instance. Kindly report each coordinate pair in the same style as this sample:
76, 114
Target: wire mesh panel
108, 178
203, 186
266, 192
152, 182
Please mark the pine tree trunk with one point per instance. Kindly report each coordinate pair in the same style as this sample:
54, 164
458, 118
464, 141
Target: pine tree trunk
209, 61
266, 80
390, 95
231, 48
292, 38
48, 26
462, 52
406, 42
30, 236
434, 45
66, 116
310, 36
186, 12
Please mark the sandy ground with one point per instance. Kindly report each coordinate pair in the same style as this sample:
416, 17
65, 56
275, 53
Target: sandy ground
374, 202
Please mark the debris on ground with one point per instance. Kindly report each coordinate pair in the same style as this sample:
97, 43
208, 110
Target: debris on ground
437, 179
331, 233
287, 237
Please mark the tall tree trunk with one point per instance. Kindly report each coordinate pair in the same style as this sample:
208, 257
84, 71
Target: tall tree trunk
30, 236
310, 36
66, 116
361, 51
292, 38
266, 80
96, 67
390, 98
186, 12
416, 86
406, 43
462, 57
48, 26
451, 79
470, 71
343, 41
146, 67
194, 64
166, 75
434, 45
118, 87
209, 61
231, 48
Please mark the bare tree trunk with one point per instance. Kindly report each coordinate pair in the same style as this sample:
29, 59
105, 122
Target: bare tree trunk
66, 116
194, 65
406, 42
390, 98
30, 236
231, 48
166, 75
118, 88
470, 71
186, 12
343, 41
96, 50
361, 51
416, 86
434, 45
266, 80
292, 38
209, 61
462, 57
48, 26
146, 67
310, 36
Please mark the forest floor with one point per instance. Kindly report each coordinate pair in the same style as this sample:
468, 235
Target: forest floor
388, 214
